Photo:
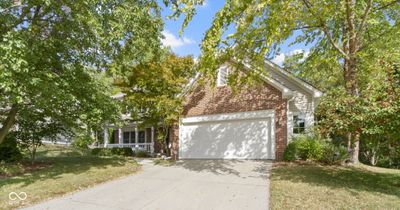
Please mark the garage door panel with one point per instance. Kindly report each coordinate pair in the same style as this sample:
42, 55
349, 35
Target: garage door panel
231, 139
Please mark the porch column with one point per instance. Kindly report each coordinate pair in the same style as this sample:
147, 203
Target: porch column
152, 140
136, 138
120, 140
106, 140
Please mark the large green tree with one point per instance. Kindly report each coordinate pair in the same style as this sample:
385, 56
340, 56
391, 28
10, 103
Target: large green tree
52, 52
154, 91
345, 35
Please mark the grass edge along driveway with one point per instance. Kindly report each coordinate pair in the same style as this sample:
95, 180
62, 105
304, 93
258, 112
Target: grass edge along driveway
69, 171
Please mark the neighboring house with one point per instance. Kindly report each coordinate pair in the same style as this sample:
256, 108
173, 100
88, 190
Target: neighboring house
255, 123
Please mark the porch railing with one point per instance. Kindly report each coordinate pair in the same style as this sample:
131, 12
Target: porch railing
148, 147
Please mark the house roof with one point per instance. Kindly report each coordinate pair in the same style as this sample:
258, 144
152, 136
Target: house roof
285, 81
276, 76
290, 78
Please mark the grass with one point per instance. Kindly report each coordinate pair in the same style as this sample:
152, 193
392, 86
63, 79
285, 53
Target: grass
65, 170
163, 162
295, 186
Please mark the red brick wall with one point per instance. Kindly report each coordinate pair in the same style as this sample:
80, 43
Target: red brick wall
206, 100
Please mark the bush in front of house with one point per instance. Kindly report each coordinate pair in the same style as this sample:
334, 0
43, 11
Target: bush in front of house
82, 141
334, 154
9, 150
313, 148
142, 154
124, 151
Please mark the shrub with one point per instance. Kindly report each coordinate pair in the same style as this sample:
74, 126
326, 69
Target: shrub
82, 142
9, 151
96, 151
290, 153
124, 151
102, 151
142, 154
304, 148
315, 149
310, 148
334, 154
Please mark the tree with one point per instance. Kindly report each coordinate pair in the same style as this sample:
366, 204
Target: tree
344, 33
374, 115
154, 91
52, 53
33, 127
327, 77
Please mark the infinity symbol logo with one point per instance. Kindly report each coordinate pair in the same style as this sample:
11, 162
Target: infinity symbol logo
14, 196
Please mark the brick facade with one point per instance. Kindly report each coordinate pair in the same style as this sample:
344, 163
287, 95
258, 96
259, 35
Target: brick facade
205, 100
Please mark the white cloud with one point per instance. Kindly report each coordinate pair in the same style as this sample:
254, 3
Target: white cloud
279, 59
205, 4
174, 42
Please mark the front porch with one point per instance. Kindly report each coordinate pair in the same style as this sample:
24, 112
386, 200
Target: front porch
129, 136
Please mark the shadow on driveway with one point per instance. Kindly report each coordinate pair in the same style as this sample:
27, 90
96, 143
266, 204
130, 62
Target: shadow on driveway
241, 168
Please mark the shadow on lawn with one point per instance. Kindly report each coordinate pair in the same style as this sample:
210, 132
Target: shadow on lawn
352, 179
61, 163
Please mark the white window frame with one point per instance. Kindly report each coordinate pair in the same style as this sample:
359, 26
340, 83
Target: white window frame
222, 80
298, 114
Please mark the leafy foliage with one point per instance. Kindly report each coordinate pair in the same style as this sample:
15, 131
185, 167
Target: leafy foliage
124, 151
53, 52
154, 91
9, 150
142, 154
82, 141
312, 148
375, 116
377, 150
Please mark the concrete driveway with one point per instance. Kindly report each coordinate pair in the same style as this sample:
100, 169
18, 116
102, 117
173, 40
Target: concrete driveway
190, 184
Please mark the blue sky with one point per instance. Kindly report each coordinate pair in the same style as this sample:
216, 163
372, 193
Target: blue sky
189, 43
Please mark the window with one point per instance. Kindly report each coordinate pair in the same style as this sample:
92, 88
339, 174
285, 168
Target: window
129, 137
223, 73
126, 138
299, 122
142, 138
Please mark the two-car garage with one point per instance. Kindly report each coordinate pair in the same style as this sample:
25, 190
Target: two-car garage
240, 135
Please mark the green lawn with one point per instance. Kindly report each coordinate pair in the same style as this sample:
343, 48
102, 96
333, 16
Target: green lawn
308, 186
69, 171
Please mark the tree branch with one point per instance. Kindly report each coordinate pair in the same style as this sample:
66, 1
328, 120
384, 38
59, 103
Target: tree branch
387, 5
379, 37
361, 27
325, 29
307, 27
351, 26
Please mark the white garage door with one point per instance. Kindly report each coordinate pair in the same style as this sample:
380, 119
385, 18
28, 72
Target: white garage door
244, 135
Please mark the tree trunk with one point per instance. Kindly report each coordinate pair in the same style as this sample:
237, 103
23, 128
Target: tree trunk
356, 149
33, 154
351, 46
166, 145
373, 158
8, 123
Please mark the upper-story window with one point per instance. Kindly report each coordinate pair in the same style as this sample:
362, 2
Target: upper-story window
223, 73
299, 124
